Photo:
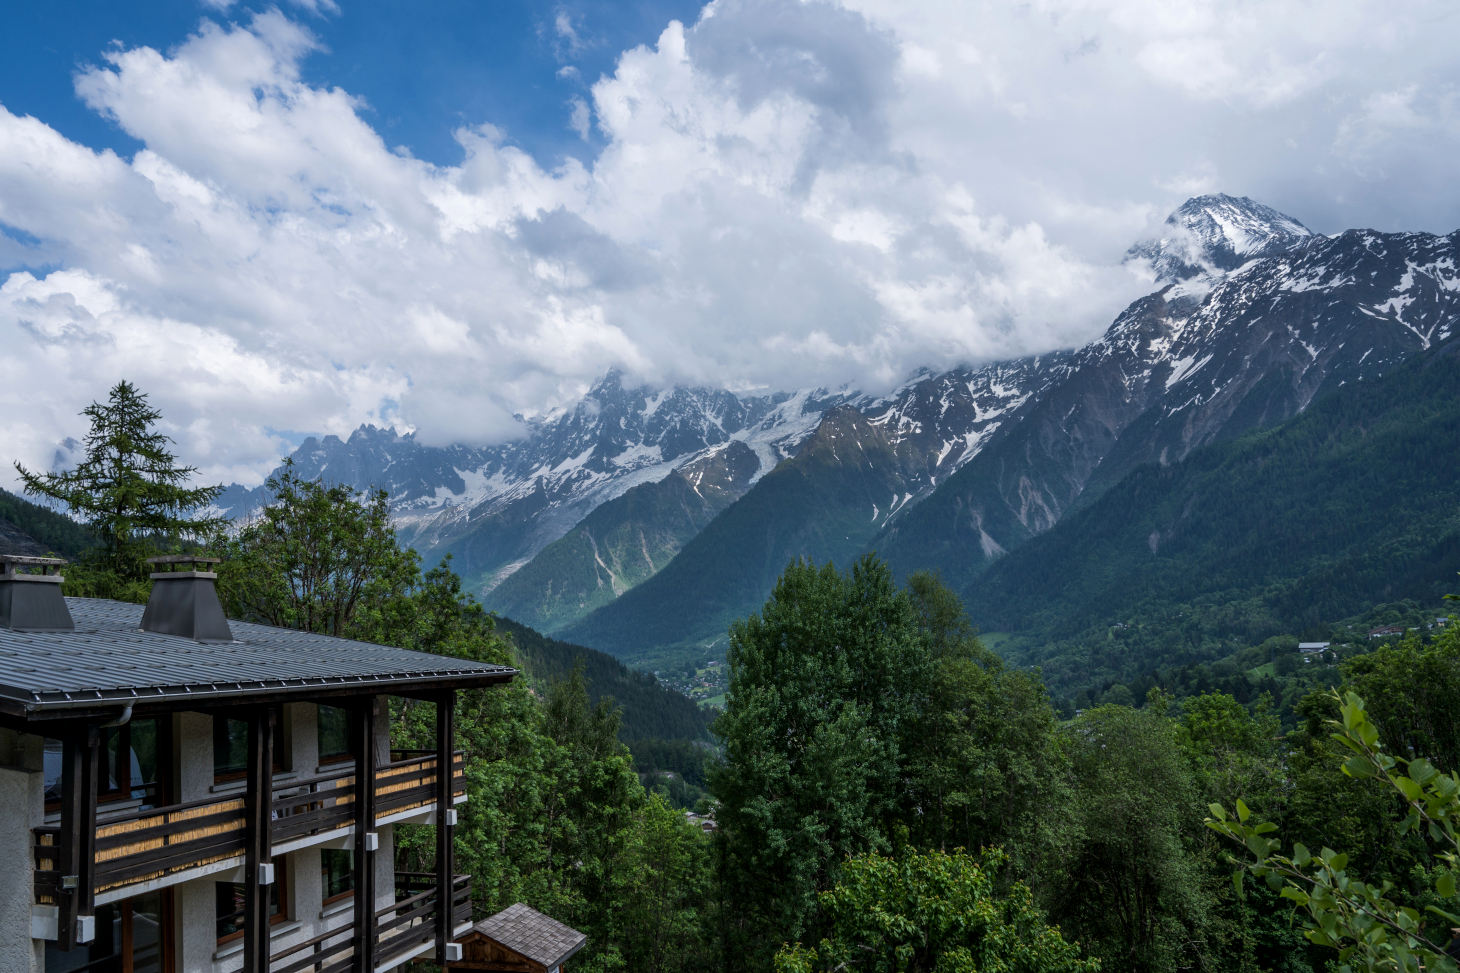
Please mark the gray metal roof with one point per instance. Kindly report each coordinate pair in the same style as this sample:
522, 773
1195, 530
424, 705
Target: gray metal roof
529, 933
109, 660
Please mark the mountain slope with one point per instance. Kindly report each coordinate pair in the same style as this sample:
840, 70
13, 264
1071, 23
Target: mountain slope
32, 530
824, 503
1353, 502
1183, 368
650, 711
624, 541
495, 507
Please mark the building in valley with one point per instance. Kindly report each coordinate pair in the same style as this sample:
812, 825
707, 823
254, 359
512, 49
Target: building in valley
183, 793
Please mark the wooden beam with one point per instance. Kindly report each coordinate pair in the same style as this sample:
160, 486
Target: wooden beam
258, 801
363, 745
80, 756
445, 831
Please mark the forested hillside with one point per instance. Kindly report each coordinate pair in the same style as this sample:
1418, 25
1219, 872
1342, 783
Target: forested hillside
22, 521
1352, 503
650, 711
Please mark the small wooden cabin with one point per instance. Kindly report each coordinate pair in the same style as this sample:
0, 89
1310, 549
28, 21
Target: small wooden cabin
519, 939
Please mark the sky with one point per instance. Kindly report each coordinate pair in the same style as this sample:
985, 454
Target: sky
281, 221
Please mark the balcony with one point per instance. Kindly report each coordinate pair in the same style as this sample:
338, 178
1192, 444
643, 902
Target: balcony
149, 848
402, 931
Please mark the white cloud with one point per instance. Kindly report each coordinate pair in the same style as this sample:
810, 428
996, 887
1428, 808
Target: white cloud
788, 193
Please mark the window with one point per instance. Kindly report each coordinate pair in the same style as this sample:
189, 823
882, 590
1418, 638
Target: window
337, 874
131, 756
230, 903
230, 748
134, 758
334, 734
131, 937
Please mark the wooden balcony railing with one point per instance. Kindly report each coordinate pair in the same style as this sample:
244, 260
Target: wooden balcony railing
399, 929
143, 845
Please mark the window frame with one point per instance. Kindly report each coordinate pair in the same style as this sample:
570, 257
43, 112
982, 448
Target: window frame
338, 896
281, 882
338, 756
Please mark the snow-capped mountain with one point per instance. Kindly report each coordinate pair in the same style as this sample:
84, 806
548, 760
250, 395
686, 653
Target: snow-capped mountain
1209, 235
1176, 371
1254, 317
496, 507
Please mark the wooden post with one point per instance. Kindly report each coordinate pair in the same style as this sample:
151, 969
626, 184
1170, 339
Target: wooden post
363, 745
258, 800
80, 755
445, 831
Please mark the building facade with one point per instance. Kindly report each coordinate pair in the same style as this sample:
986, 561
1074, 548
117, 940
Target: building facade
181, 793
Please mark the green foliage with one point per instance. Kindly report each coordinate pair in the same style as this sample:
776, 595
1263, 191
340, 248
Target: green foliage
315, 557
1370, 931
935, 912
1413, 688
128, 489
56, 533
677, 770
826, 684
985, 765
1132, 886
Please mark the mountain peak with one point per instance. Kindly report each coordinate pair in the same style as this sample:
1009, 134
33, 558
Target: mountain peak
1216, 233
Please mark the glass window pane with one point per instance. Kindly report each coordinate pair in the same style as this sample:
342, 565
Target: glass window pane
230, 908
230, 905
230, 746
144, 753
51, 756
110, 738
335, 871
147, 933
334, 732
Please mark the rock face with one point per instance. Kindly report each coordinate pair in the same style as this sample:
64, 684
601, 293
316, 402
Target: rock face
1200, 360
15, 541
673, 510
1209, 235
495, 507
625, 541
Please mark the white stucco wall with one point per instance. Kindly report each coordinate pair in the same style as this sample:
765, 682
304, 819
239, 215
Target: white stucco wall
22, 807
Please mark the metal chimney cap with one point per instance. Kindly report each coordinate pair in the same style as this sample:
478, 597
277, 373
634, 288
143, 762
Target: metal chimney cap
13, 561
184, 559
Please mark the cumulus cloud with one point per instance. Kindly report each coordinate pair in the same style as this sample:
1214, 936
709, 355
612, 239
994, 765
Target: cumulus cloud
786, 194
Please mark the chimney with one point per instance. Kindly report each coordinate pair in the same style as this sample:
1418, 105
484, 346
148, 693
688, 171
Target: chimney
185, 603
33, 602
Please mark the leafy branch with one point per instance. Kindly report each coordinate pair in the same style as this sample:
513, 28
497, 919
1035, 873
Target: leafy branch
1371, 932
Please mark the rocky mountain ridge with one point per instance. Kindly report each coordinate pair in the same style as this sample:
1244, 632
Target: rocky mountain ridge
1253, 318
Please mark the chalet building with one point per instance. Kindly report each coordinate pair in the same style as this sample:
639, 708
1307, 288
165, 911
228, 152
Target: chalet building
519, 939
1385, 631
181, 793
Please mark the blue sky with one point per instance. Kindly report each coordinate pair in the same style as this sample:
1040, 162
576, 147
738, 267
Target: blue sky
209, 202
424, 68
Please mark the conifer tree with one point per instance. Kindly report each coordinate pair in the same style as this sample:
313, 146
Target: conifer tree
128, 489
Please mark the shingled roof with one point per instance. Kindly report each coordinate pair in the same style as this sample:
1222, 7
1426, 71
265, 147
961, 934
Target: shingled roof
526, 931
